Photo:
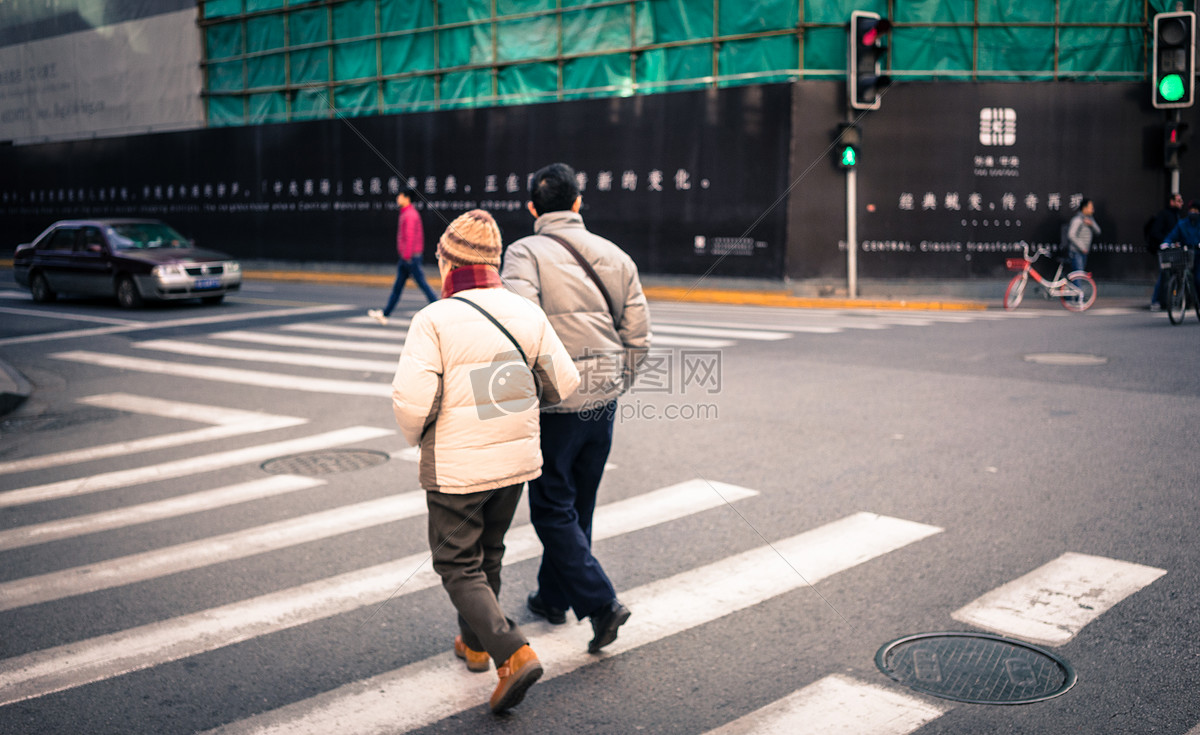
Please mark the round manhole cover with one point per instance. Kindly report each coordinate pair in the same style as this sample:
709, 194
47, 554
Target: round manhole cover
975, 667
1066, 358
325, 462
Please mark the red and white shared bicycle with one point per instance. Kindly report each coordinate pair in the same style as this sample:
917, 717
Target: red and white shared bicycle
1077, 289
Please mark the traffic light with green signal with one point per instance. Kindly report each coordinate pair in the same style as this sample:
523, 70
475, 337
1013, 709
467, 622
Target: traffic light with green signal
1173, 72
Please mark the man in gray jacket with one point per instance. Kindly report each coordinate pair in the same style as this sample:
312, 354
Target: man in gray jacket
590, 291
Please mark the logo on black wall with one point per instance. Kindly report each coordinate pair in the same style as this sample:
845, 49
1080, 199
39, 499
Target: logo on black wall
998, 126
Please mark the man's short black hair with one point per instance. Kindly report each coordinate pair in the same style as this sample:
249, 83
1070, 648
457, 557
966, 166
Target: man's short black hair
554, 189
410, 192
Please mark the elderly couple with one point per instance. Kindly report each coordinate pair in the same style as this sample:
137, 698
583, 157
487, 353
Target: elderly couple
564, 298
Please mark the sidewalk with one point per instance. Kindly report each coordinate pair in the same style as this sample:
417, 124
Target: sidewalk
712, 290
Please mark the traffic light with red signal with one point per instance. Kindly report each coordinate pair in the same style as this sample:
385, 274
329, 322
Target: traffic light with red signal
1174, 143
867, 45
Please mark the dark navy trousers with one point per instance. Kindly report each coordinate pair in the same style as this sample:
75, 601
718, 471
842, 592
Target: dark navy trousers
561, 502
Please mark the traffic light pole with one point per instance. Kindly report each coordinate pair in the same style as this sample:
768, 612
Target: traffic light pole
852, 232
1173, 116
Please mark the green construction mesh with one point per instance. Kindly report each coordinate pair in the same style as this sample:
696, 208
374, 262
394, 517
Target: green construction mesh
598, 76
527, 83
403, 55
405, 15
408, 95
353, 19
355, 99
266, 71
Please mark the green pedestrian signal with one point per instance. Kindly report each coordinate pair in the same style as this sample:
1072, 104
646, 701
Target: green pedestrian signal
1171, 88
846, 144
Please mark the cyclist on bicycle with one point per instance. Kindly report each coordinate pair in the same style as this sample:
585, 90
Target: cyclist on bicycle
1187, 233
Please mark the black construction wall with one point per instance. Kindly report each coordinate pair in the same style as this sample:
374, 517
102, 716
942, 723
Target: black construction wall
738, 181
681, 181
943, 195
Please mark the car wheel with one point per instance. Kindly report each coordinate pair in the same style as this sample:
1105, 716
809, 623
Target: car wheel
128, 295
213, 300
40, 288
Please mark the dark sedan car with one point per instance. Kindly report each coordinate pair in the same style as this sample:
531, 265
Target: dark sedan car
133, 259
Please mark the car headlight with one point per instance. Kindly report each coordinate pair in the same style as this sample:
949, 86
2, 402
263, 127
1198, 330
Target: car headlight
232, 266
167, 270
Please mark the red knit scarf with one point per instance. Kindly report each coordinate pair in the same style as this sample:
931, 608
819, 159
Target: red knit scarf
467, 277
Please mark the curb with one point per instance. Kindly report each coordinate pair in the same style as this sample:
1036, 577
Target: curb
777, 298
14, 388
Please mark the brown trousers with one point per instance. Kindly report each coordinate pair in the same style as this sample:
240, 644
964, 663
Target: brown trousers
466, 534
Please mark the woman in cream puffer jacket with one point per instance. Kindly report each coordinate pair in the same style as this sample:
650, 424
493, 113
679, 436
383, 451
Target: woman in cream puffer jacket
461, 393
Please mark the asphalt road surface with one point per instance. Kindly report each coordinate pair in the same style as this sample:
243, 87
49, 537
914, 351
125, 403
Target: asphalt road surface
209, 522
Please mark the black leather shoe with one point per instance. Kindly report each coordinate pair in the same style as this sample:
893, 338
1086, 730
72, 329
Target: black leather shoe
605, 624
542, 610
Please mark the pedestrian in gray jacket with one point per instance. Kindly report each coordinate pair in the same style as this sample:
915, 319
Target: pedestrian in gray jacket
1079, 234
591, 293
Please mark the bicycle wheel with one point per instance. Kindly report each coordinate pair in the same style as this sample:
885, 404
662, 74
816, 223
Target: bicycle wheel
1084, 292
1015, 291
1175, 295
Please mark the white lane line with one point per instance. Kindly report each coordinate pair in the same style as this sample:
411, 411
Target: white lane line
402, 321
172, 323
228, 422
217, 352
667, 340
344, 331
229, 375
186, 467
168, 409
706, 331
206, 552
838, 705
83, 662
41, 533
313, 343
440, 686
66, 316
1051, 604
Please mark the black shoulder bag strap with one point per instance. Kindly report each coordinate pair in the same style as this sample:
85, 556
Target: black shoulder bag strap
499, 326
587, 268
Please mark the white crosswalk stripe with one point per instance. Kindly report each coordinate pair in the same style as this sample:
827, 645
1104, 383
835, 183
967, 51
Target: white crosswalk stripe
315, 343
1051, 604
344, 331
226, 422
40, 533
184, 467
206, 552
216, 352
439, 687
258, 378
75, 664
839, 705
675, 327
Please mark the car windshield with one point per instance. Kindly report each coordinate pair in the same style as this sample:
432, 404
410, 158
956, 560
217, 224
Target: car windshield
140, 235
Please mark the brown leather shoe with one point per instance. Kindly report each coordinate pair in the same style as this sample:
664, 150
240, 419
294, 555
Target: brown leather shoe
517, 674
476, 660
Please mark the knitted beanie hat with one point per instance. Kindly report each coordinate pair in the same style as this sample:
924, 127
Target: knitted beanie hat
472, 238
